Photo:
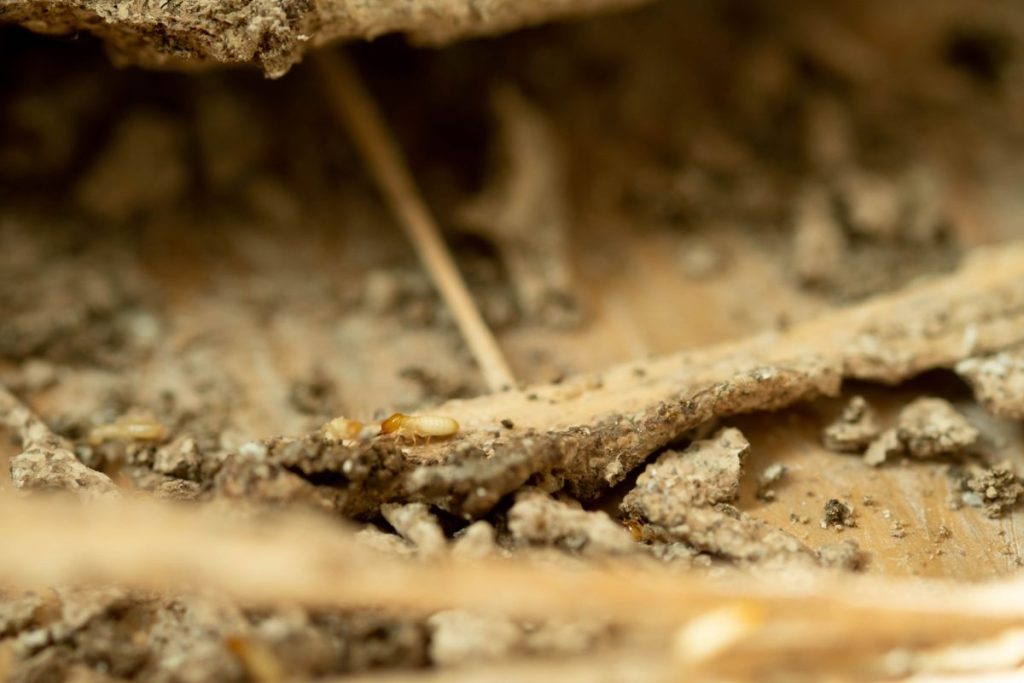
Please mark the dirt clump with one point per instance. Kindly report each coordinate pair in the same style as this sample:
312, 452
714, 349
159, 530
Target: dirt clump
997, 381
536, 518
684, 496
855, 428
705, 473
925, 428
995, 489
838, 515
929, 427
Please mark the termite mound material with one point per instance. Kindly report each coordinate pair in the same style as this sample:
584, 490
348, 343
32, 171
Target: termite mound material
757, 269
274, 35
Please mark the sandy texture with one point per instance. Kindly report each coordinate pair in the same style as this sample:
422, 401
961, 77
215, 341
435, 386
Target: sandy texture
275, 33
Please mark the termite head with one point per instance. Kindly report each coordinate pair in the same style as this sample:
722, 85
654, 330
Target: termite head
392, 424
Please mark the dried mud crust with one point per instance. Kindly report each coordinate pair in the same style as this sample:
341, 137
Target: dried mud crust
998, 381
589, 432
685, 497
275, 33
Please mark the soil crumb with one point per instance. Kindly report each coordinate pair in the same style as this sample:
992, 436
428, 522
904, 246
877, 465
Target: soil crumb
925, 428
995, 489
537, 519
929, 427
838, 515
707, 472
684, 497
856, 427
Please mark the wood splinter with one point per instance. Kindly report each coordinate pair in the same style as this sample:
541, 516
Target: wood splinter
355, 109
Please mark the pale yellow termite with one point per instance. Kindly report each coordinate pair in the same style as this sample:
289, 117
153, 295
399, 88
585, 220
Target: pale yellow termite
129, 428
413, 427
342, 429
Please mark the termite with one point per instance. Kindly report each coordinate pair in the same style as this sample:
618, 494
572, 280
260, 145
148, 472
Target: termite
342, 429
129, 428
416, 426
259, 662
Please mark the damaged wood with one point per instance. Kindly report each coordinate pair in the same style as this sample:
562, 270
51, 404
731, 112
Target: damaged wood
591, 431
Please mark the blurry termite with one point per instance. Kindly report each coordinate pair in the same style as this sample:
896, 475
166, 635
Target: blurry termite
344, 429
129, 428
413, 427
636, 529
261, 664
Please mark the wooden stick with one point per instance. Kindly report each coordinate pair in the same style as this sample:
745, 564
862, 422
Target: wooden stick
355, 109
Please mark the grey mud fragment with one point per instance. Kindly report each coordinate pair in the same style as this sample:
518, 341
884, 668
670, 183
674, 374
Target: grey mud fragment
535, 518
181, 458
925, 428
726, 532
349, 479
46, 463
56, 469
929, 427
417, 525
474, 484
616, 446
997, 381
996, 489
838, 515
856, 427
707, 472
683, 497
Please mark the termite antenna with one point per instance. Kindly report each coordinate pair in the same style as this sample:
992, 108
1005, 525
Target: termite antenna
354, 107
